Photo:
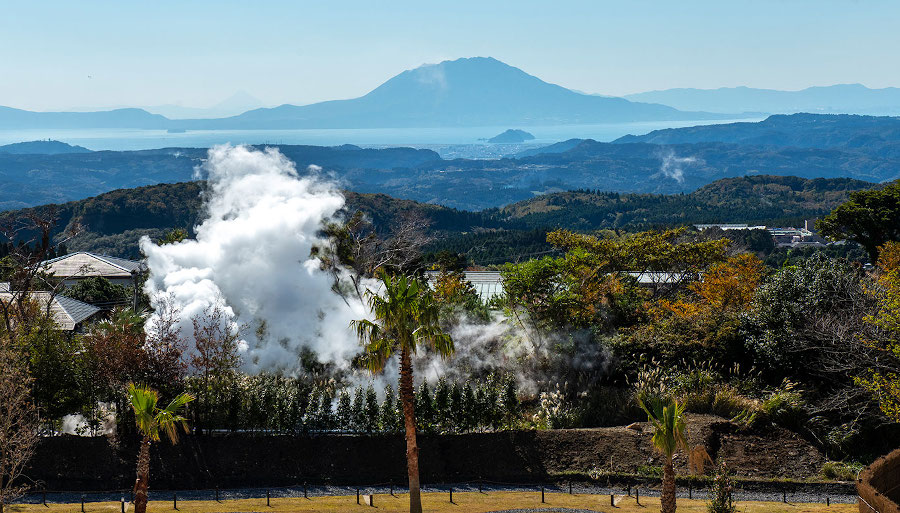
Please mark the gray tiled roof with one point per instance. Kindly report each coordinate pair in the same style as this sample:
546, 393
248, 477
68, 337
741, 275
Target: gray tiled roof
67, 312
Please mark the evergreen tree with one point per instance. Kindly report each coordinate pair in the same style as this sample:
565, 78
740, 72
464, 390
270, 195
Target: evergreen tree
424, 407
442, 405
344, 414
359, 410
457, 408
326, 414
371, 410
390, 419
311, 413
510, 402
469, 407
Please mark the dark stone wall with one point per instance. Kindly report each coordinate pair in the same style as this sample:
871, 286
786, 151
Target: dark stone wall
239, 460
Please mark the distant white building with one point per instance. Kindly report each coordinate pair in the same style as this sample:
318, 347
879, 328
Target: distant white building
74, 267
487, 283
728, 226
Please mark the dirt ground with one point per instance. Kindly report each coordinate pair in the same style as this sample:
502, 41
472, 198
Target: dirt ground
472, 502
773, 453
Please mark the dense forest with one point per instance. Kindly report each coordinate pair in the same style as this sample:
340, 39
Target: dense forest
111, 223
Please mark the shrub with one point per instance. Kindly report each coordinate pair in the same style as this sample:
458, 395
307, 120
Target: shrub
721, 496
840, 470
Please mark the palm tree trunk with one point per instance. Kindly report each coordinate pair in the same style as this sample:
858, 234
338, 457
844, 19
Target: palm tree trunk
142, 483
409, 417
667, 498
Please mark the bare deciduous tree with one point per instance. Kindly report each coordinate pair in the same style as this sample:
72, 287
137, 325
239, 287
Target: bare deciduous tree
356, 251
18, 423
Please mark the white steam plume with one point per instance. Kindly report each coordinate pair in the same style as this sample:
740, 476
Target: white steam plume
672, 166
251, 256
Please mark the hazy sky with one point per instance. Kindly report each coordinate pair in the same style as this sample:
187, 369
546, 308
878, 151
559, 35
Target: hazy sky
66, 54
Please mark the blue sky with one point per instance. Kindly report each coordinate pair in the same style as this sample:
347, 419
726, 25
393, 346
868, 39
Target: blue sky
197, 53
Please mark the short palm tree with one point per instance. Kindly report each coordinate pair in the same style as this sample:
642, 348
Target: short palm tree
669, 435
152, 420
406, 317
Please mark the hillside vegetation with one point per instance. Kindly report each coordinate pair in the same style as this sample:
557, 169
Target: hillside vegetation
112, 223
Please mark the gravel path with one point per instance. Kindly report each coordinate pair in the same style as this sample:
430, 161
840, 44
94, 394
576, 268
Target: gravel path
313, 491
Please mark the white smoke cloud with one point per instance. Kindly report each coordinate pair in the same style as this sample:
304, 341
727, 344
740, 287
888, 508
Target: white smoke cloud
251, 256
672, 166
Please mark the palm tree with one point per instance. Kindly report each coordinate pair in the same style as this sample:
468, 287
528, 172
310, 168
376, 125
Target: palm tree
406, 317
669, 435
151, 420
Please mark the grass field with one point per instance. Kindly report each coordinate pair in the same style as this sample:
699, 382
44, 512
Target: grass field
468, 502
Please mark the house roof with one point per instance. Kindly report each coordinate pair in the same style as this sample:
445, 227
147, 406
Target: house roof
66, 312
83, 265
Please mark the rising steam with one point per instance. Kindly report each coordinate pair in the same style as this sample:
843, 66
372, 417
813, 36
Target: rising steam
251, 257
673, 167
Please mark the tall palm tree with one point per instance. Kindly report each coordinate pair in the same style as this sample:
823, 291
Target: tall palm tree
669, 435
406, 317
152, 420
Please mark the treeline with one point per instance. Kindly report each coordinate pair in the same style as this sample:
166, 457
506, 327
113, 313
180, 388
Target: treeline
112, 223
278, 404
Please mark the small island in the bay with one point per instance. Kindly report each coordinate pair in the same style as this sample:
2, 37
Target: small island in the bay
511, 136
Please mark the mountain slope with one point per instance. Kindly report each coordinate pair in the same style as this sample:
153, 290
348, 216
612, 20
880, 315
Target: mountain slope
42, 148
11, 118
747, 199
479, 91
877, 135
835, 99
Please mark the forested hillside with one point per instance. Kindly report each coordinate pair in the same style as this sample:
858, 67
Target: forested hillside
112, 223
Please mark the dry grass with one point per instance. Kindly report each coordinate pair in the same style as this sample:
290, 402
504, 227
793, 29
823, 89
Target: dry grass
469, 502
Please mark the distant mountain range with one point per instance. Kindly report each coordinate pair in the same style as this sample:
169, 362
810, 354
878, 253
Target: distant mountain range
875, 135
17, 119
835, 99
478, 91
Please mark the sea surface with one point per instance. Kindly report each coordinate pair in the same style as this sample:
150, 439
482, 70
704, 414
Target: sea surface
449, 142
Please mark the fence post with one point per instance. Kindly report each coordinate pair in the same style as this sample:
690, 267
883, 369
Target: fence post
392, 489
542, 494
217, 494
175, 501
267, 499
784, 496
305, 494
82, 503
570, 487
123, 504
827, 500
612, 500
690, 490
637, 496
629, 490
357, 495
479, 487
44, 500
451, 495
